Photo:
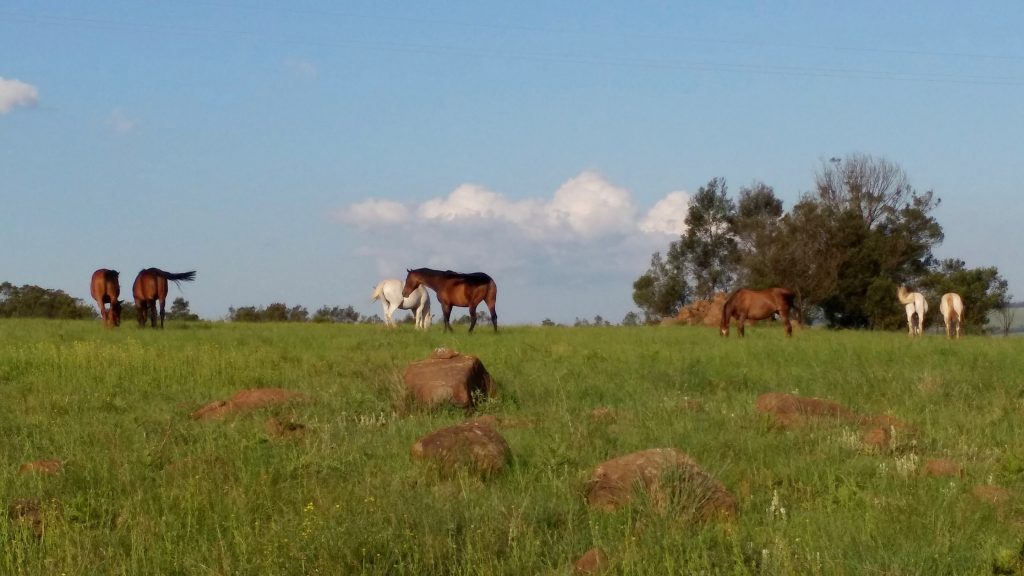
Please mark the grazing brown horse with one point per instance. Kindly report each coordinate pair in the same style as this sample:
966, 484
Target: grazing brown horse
757, 305
105, 290
455, 289
151, 286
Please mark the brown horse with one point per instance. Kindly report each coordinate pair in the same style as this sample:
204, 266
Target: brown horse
151, 286
757, 305
455, 289
106, 289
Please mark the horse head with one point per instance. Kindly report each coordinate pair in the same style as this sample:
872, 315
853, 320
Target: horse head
412, 281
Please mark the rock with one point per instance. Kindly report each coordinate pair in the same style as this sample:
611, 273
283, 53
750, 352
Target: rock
593, 561
448, 377
245, 400
941, 467
41, 467
670, 479
475, 446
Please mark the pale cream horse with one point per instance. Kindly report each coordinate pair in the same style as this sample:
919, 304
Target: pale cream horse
914, 303
952, 308
389, 292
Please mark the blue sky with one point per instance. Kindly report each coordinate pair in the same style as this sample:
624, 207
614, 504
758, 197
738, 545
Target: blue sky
299, 152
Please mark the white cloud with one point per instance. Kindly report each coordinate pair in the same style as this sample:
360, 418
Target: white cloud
591, 206
16, 93
668, 216
371, 213
302, 68
120, 123
585, 207
571, 253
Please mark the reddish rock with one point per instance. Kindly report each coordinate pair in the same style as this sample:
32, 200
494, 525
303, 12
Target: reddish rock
28, 512
780, 404
474, 445
877, 437
669, 478
41, 467
941, 467
448, 377
279, 429
994, 495
593, 561
245, 400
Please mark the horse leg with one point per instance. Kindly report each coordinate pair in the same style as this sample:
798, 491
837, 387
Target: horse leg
494, 317
786, 323
446, 309
472, 317
162, 301
742, 325
389, 314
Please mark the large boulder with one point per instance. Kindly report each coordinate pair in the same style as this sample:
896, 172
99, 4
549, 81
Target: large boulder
447, 377
474, 446
669, 479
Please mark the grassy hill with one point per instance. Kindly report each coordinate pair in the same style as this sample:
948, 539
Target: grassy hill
144, 489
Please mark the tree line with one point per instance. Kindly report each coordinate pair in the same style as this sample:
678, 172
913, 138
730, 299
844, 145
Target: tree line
844, 248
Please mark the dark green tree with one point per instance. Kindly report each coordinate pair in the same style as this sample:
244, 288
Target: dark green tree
30, 301
708, 253
660, 291
180, 310
983, 291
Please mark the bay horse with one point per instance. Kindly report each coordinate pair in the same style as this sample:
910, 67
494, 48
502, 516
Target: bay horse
106, 289
456, 289
151, 286
745, 304
952, 308
914, 303
389, 292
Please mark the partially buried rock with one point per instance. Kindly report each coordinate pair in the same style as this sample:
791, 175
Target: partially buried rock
245, 400
670, 480
41, 467
593, 561
474, 446
448, 377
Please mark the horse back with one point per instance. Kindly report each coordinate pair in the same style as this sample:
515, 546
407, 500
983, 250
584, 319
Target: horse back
105, 286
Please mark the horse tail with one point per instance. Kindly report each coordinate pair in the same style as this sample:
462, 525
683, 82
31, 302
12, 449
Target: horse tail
790, 298
950, 308
178, 277
727, 311
378, 292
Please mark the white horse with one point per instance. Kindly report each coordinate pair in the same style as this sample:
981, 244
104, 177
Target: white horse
914, 303
390, 294
952, 308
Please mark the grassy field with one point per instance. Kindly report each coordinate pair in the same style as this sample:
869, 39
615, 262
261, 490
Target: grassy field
146, 490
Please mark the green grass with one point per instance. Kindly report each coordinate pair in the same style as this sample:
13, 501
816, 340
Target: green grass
147, 490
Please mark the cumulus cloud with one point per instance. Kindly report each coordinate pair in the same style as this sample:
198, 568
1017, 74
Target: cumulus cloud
588, 236
668, 216
16, 93
583, 208
372, 212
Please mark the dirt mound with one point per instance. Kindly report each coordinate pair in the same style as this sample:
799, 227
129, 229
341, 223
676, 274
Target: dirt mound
246, 400
475, 446
667, 477
942, 467
704, 312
